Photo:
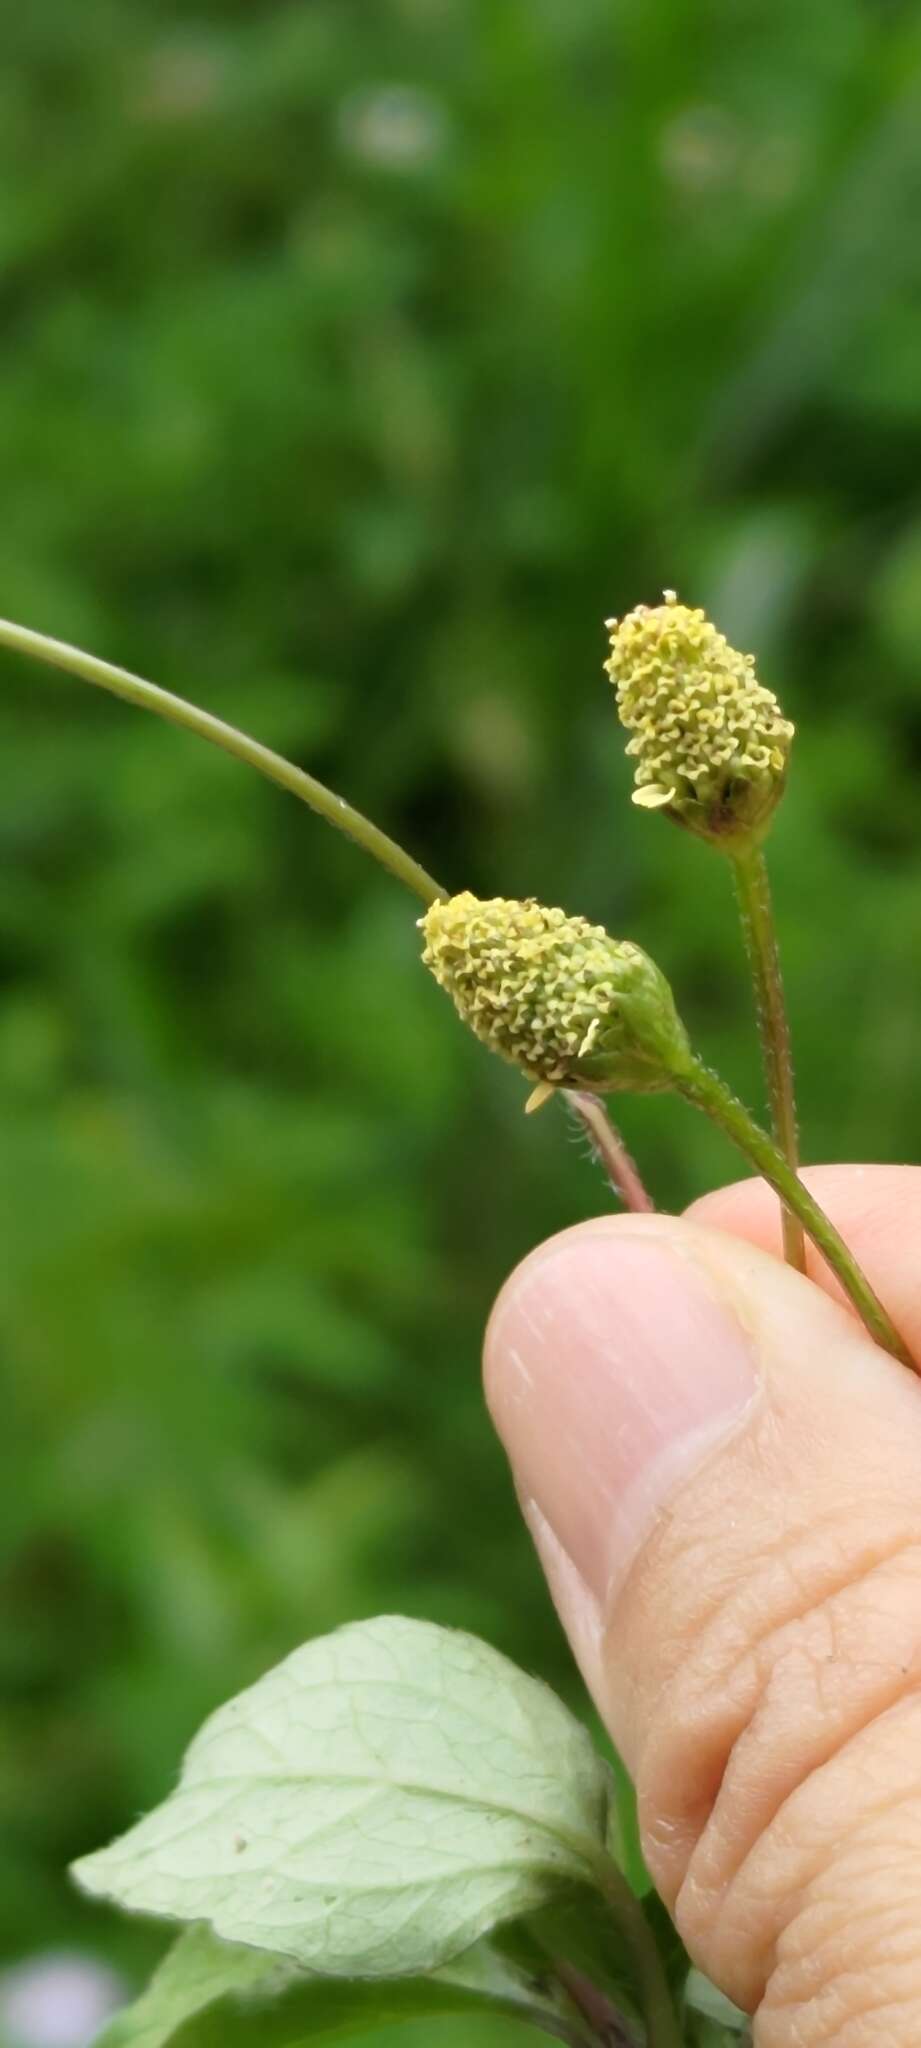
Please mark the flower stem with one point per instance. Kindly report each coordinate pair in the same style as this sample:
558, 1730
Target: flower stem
609, 1148
121, 683
707, 1092
607, 2028
661, 2020
753, 890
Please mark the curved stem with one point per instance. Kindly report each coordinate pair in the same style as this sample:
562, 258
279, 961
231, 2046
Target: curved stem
609, 1148
709, 1093
753, 890
134, 690
607, 2028
662, 2026
575, 1932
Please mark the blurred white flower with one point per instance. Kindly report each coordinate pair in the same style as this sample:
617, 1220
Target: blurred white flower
398, 127
57, 1999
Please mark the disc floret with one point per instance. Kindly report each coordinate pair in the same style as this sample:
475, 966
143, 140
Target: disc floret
710, 742
554, 994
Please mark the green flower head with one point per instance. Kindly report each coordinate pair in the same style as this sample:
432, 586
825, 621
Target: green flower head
710, 743
555, 995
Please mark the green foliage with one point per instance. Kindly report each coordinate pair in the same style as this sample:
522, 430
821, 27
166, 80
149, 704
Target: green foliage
718, 2020
207, 1994
371, 1807
357, 362
197, 1972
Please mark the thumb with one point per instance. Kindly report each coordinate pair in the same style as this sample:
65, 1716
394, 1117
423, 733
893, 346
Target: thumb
723, 1478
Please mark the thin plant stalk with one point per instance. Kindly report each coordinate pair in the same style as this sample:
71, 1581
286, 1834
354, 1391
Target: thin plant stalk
697, 1084
624, 1911
608, 2029
753, 890
609, 1148
662, 2026
710, 1094
134, 690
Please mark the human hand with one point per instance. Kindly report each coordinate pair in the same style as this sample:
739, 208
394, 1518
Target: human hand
722, 1476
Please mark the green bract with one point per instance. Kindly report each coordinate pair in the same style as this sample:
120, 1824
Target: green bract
556, 995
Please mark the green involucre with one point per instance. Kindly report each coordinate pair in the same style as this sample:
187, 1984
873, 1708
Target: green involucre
556, 995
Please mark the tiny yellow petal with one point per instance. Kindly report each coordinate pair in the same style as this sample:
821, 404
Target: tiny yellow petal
539, 1096
652, 798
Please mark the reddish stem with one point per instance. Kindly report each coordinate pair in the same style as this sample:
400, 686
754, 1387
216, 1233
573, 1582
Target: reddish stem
608, 1146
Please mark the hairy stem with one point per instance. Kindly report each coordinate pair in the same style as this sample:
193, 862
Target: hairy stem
121, 683
608, 1147
753, 890
608, 2029
662, 2026
708, 1093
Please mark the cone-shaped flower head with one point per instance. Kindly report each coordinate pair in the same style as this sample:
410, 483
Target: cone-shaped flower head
554, 994
710, 743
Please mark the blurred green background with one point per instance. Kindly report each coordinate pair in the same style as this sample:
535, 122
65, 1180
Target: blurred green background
357, 357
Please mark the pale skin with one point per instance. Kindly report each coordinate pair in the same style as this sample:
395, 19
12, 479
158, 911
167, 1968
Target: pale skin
722, 1475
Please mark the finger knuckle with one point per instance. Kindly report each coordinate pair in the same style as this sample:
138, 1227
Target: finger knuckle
781, 1694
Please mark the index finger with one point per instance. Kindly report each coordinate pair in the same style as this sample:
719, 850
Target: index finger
878, 1212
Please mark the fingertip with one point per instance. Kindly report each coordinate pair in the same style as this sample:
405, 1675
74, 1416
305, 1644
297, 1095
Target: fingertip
613, 1361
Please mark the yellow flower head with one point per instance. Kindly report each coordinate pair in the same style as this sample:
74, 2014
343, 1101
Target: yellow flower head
554, 994
710, 742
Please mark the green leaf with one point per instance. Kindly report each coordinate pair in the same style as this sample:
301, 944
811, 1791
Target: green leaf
207, 1993
322, 2011
371, 1807
703, 1997
198, 1970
